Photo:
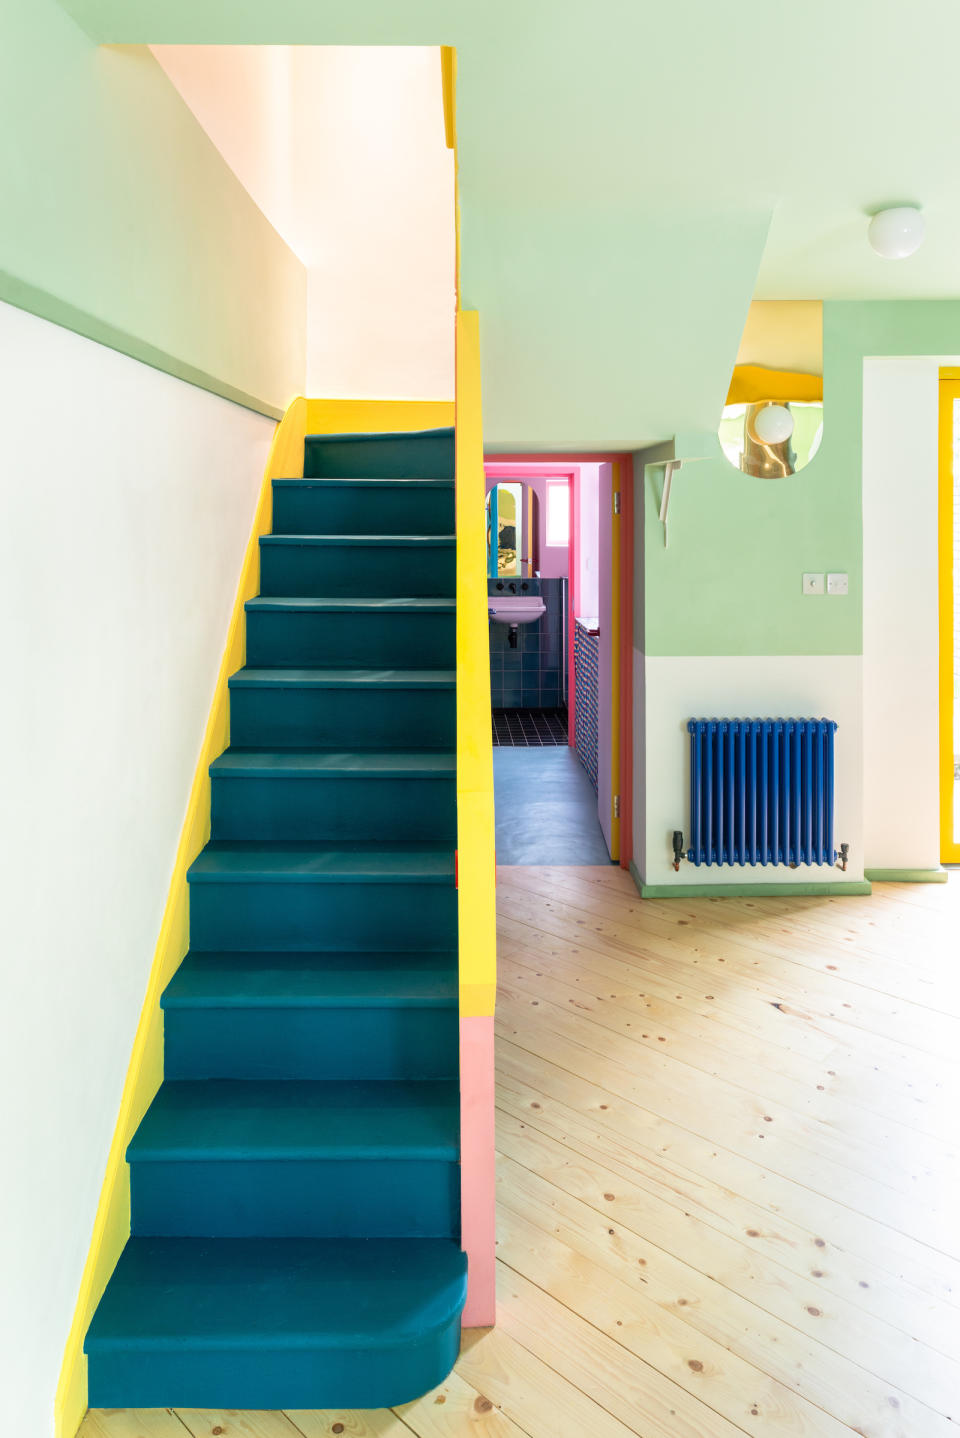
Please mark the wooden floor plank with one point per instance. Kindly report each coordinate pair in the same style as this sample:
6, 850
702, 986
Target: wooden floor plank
765, 1316
613, 1376
458, 1410
741, 1127
847, 1003
744, 1066
132, 1423
655, 1146
228, 1423
347, 1423
919, 1101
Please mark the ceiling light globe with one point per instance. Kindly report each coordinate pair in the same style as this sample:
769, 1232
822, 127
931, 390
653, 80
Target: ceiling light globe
896, 234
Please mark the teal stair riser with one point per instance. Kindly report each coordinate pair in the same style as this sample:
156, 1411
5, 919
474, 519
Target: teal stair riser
359, 570
254, 808
349, 639
424, 454
292, 1376
311, 1043
370, 718
313, 1198
263, 1323
356, 507
251, 915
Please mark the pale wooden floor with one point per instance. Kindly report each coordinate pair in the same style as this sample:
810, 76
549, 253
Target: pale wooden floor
727, 1138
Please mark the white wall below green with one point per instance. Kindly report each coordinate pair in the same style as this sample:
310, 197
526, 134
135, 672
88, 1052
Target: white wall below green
900, 612
128, 498
691, 686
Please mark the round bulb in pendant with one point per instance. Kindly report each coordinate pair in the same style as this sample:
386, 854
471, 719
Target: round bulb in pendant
773, 424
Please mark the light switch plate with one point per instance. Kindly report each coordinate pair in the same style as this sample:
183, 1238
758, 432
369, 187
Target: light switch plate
813, 584
837, 584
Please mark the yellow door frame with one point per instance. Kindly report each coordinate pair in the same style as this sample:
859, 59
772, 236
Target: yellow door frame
949, 395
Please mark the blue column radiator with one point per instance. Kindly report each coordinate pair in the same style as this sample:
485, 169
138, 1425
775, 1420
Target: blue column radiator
761, 791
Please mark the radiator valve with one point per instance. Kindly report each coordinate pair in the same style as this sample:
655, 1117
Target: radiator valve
677, 848
844, 857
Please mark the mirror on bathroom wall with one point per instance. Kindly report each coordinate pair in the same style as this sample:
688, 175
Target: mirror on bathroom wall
511, 530
772, 421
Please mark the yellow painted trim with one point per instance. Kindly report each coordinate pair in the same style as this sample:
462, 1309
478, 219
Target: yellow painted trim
448, 79
111, 1226
450, 99
477, 1001
619, 480
378, 416
475, 829
753, 383
949, 392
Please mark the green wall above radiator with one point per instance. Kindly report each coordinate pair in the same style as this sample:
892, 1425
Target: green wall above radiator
730, 580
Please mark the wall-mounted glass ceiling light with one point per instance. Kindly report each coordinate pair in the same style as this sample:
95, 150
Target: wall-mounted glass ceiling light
898, 233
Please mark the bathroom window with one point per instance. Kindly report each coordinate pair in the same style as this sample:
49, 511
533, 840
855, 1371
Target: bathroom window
558, 513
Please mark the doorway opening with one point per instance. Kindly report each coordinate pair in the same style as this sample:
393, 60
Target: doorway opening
560, 594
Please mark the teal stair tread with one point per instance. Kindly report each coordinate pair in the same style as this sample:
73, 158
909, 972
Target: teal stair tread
333, 541
311, 605
402, 483
322, 763
261, 678
321, 980
341, 862
396, 436
195, 1120
267, 1293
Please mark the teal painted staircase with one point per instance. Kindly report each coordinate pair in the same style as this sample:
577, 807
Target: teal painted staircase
295, 1185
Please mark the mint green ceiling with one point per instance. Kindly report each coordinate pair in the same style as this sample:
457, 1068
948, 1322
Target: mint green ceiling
631, 171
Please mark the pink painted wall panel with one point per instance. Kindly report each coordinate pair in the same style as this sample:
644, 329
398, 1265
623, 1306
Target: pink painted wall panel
605, 680
478, 1169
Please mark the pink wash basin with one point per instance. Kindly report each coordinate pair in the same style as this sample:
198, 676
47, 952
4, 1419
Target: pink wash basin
515, 608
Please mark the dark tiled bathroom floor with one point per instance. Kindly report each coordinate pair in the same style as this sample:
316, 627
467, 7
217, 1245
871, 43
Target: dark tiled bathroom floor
546, 808
530, 726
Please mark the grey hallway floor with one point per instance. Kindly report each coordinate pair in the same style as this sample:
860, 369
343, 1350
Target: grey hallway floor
546, 808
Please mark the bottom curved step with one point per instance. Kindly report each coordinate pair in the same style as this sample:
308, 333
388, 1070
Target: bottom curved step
276, 1323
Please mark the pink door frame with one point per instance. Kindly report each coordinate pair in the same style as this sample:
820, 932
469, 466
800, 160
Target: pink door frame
507, 466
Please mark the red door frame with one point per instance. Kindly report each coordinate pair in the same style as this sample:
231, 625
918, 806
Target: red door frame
503, 466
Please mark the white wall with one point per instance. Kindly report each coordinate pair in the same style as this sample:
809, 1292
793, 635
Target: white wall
900, 612
343, 149
128, 498
678, 687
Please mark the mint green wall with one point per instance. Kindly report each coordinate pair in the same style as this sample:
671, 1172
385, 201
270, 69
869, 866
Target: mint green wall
730, 580
121, 220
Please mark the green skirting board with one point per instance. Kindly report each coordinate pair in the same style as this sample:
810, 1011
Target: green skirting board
906, 876
747, 891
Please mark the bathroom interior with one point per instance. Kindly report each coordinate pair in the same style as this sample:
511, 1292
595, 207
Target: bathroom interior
544, 560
